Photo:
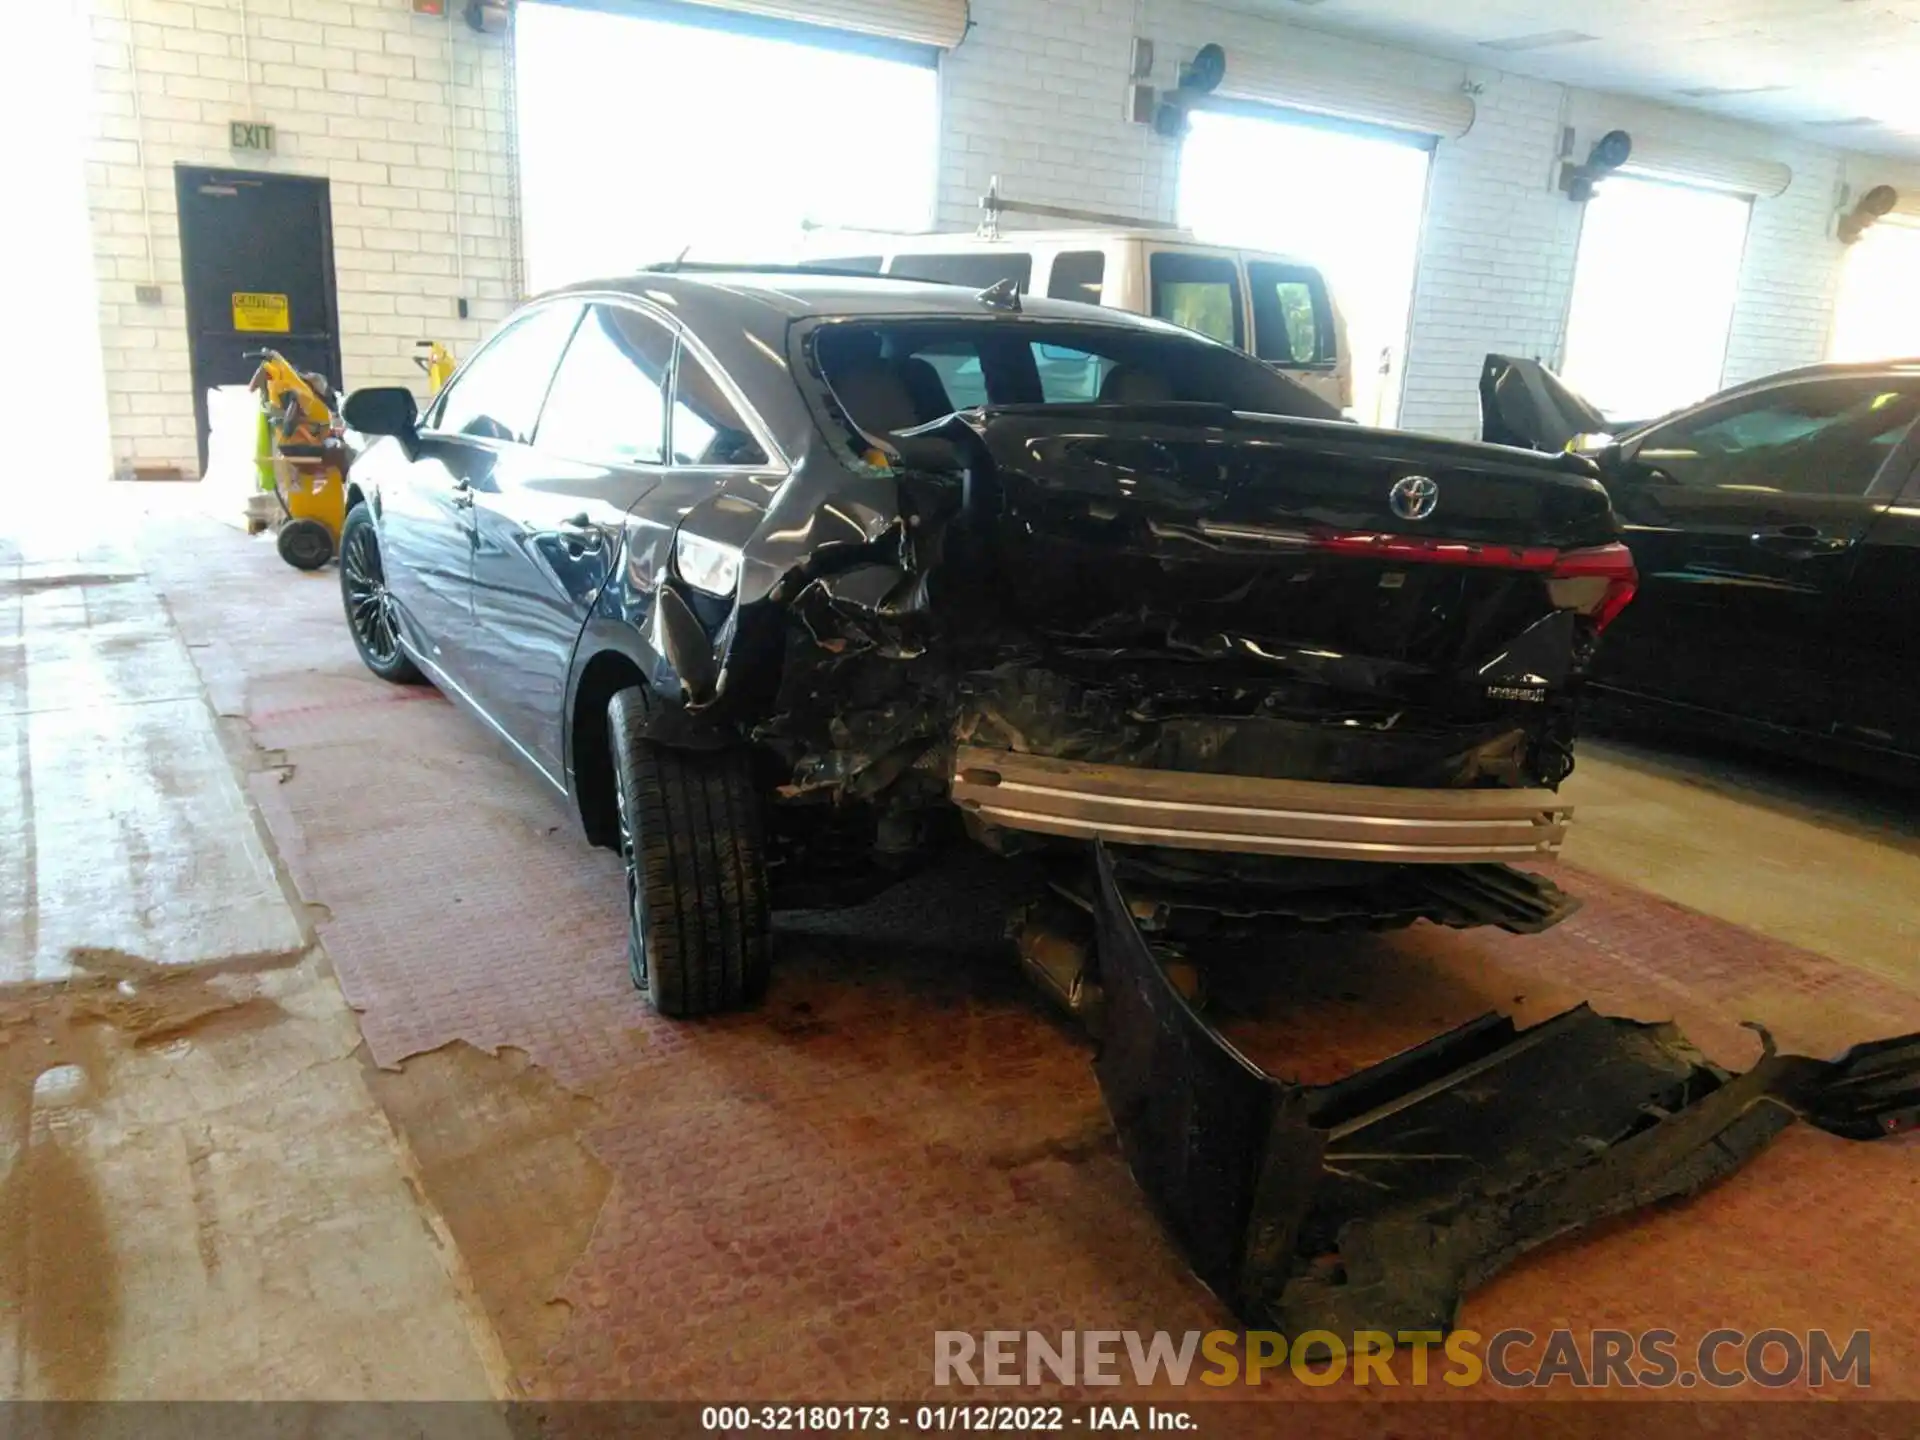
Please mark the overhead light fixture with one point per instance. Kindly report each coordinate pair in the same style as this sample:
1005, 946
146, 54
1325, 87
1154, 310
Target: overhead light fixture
1874, 206
1543, 40
1609, 153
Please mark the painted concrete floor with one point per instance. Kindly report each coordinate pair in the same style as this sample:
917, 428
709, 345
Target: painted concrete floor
320, 1075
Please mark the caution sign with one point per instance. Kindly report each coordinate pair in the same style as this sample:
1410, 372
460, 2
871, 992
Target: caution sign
260, 313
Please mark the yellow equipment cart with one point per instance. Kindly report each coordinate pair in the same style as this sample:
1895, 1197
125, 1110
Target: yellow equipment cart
303, 461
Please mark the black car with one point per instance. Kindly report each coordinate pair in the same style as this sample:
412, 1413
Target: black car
1776, 529
789, 579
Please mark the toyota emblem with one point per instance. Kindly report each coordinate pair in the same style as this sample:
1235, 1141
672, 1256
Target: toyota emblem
1414, 497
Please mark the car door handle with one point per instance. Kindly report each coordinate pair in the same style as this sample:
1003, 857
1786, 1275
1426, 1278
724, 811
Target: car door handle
1800, 542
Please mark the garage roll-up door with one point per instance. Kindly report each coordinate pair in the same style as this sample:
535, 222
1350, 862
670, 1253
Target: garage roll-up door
1664, 160
939, 23
1300, 85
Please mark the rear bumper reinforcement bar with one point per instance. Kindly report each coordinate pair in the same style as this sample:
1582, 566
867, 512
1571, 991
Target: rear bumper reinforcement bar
1376, 1202
1182, 810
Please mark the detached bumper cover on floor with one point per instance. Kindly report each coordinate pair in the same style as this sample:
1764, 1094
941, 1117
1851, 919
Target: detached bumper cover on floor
1378, 1201
1184, 810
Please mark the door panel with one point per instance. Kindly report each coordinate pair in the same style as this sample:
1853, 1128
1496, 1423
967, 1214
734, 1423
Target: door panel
256, 251
1746, 521
549, 526
426, 542
1876, 644
477, 430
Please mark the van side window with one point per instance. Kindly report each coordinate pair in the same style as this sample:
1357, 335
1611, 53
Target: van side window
978, 270
1199, 292
1292, 318
1078, 275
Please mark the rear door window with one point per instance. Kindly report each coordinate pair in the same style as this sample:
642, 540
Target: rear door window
1199, 292
1078, 275
1292, 316
978, 269
609, 398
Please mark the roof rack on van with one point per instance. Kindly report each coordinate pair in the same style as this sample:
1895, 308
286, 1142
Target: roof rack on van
993, 205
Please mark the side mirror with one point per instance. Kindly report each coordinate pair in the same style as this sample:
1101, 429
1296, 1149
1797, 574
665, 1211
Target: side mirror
382, 410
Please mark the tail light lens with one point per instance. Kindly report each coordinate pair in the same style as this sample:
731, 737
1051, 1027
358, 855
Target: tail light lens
1598, 583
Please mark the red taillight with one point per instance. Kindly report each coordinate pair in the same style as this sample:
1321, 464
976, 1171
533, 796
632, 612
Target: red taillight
1418, 549
1598, 582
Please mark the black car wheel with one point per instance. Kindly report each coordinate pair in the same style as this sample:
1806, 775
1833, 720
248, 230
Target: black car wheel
692, 843
370, 609
305, 544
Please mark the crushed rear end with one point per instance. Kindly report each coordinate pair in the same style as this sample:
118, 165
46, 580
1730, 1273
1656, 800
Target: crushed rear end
1312, 657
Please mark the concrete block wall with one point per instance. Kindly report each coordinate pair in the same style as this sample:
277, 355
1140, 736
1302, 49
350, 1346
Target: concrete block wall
389, 106
406, 116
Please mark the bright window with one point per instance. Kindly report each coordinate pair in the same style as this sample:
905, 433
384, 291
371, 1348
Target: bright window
1877, 316
1653, 292
1348, 203
636, 145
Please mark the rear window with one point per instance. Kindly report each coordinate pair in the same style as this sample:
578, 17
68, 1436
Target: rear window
978, 270
1078, 275
900, 375
1292, 317
1198, 292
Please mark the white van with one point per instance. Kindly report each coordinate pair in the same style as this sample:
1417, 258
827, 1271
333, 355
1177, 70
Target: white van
1276, 308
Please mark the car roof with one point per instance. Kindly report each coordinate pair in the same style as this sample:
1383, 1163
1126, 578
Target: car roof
972, 243
703, 293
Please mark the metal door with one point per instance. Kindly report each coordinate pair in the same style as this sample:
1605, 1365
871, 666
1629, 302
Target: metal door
256, 258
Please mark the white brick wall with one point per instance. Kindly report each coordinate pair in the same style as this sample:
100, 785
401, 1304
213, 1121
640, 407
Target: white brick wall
1036, 96
384, 104
361, 92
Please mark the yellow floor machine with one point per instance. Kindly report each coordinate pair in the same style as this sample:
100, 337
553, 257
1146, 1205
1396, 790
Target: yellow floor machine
302, 459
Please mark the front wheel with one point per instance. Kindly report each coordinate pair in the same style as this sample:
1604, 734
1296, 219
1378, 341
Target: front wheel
371, 615
692, 842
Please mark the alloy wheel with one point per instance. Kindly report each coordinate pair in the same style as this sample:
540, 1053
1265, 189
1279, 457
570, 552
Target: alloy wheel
369, 605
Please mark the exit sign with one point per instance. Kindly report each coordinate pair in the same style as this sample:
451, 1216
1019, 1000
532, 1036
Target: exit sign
250, 135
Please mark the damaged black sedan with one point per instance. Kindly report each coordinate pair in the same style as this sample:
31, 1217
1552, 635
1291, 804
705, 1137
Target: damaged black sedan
789, 579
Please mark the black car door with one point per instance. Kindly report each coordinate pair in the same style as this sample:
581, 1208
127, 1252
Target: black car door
548, 527
1875, 649
486, 412
1745, 518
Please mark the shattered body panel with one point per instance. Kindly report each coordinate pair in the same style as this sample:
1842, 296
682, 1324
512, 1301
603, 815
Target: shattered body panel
1378, 1201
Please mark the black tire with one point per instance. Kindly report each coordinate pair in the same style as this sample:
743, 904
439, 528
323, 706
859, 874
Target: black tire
305, 544
693, 845
371, 617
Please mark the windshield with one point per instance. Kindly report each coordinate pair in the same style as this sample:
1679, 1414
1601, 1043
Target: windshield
897, 375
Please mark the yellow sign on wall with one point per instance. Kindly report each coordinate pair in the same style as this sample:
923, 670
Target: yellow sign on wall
261, 313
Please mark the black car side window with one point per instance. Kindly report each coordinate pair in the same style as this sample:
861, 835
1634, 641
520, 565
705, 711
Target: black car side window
497, 396
707, 428
609, 399
1826, 437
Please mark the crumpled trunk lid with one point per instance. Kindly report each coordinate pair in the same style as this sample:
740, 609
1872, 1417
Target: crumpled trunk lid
1371, 562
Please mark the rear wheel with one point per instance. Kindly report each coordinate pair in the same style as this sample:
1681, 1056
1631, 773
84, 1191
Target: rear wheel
370, 610
692, 843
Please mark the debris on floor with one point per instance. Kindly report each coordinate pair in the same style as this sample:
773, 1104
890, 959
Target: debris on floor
1376, 1202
